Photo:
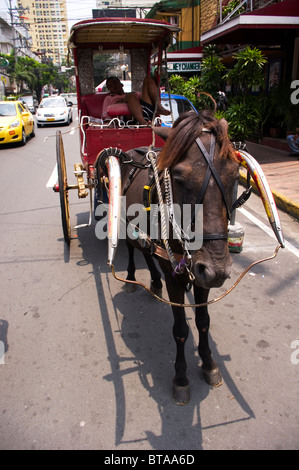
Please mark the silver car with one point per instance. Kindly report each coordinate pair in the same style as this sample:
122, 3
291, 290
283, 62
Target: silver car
30, 102
54, 110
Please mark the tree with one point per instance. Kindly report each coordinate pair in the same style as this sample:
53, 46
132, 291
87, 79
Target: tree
29, 72
24, 73
102, 64
193, 90
248, 71
247, 76
244, 109
212, 70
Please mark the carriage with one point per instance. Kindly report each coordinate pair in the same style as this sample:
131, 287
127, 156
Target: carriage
139, 44
197, 166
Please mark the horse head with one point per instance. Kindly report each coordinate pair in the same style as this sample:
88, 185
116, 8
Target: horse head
203, 169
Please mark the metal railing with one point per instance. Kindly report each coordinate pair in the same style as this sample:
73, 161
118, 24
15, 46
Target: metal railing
248, 5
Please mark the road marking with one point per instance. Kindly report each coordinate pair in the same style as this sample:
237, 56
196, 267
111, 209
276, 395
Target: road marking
53, 178
269, 231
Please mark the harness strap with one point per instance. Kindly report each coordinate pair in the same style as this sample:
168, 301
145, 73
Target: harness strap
212, 170
242, 199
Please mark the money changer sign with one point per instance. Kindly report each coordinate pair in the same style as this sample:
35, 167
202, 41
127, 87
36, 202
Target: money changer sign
183, 67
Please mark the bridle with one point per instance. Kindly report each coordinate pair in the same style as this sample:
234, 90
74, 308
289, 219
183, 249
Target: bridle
185, 264
185, 259
211, 171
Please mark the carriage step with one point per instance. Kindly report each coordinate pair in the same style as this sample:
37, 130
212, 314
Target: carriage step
79, 170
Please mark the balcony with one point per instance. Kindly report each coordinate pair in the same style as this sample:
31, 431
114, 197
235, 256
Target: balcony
230, 9
253, 22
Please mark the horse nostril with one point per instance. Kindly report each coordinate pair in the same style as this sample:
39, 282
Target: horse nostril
203, 272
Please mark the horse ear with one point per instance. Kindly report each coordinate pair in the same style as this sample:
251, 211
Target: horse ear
163, 132
224, 124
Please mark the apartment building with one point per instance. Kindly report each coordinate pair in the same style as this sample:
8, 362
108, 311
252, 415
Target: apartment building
146, 4
47, 20
126, 8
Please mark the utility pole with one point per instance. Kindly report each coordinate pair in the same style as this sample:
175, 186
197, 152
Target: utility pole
10, 12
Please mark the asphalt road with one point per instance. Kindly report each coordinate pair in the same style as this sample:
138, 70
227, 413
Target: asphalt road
87, 366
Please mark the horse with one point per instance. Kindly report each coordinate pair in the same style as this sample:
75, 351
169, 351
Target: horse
202, 169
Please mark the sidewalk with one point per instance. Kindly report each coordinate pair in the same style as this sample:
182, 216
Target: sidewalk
282, 173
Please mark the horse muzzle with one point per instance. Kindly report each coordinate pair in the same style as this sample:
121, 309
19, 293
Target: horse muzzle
209, 275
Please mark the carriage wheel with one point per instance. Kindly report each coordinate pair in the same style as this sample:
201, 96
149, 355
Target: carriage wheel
63, 188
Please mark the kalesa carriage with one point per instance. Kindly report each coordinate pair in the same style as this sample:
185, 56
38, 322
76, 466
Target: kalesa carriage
193, 163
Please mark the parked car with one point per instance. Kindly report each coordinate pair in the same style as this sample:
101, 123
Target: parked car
30, 102
70, 97
16, 122
54, 110
179, 104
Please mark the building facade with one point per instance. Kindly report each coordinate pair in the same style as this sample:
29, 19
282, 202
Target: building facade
139, 5
184, 14
47, 21
272, 26
15, 38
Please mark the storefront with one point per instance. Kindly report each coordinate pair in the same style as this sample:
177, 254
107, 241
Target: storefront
185, 62
274, 29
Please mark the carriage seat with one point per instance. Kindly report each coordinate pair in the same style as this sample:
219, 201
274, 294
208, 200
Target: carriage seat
92, 104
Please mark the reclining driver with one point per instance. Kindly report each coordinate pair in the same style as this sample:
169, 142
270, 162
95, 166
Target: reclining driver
141, 109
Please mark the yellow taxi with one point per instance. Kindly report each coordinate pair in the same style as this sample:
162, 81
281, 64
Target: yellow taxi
16, 122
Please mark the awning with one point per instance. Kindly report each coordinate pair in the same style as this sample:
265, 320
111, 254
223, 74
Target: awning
268, 25
129, 32
192, 53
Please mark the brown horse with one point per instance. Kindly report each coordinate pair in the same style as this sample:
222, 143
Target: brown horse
203, 169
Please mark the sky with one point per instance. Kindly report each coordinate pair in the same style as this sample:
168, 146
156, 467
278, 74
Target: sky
77, 10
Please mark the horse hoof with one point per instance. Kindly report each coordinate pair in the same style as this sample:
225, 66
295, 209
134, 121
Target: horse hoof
213, 377
181, 395
129, 288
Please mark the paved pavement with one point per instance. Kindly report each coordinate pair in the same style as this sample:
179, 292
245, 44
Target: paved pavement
281, 169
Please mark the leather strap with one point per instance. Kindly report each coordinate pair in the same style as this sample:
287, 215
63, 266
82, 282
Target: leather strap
212, 170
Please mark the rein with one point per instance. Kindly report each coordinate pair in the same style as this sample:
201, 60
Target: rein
175, 304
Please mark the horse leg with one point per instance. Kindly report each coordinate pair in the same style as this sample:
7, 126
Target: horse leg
130, 270
180, 331
156, 284
210, 369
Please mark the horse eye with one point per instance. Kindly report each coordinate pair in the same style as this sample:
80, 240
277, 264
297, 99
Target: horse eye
178, 179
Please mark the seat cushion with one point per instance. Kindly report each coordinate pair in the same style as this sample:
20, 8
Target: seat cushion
118, 109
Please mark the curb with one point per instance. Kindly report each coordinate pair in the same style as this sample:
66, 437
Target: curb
287, 205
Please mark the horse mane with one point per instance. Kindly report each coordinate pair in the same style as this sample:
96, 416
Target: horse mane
186, 129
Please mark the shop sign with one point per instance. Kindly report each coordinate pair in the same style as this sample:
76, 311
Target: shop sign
183, 66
